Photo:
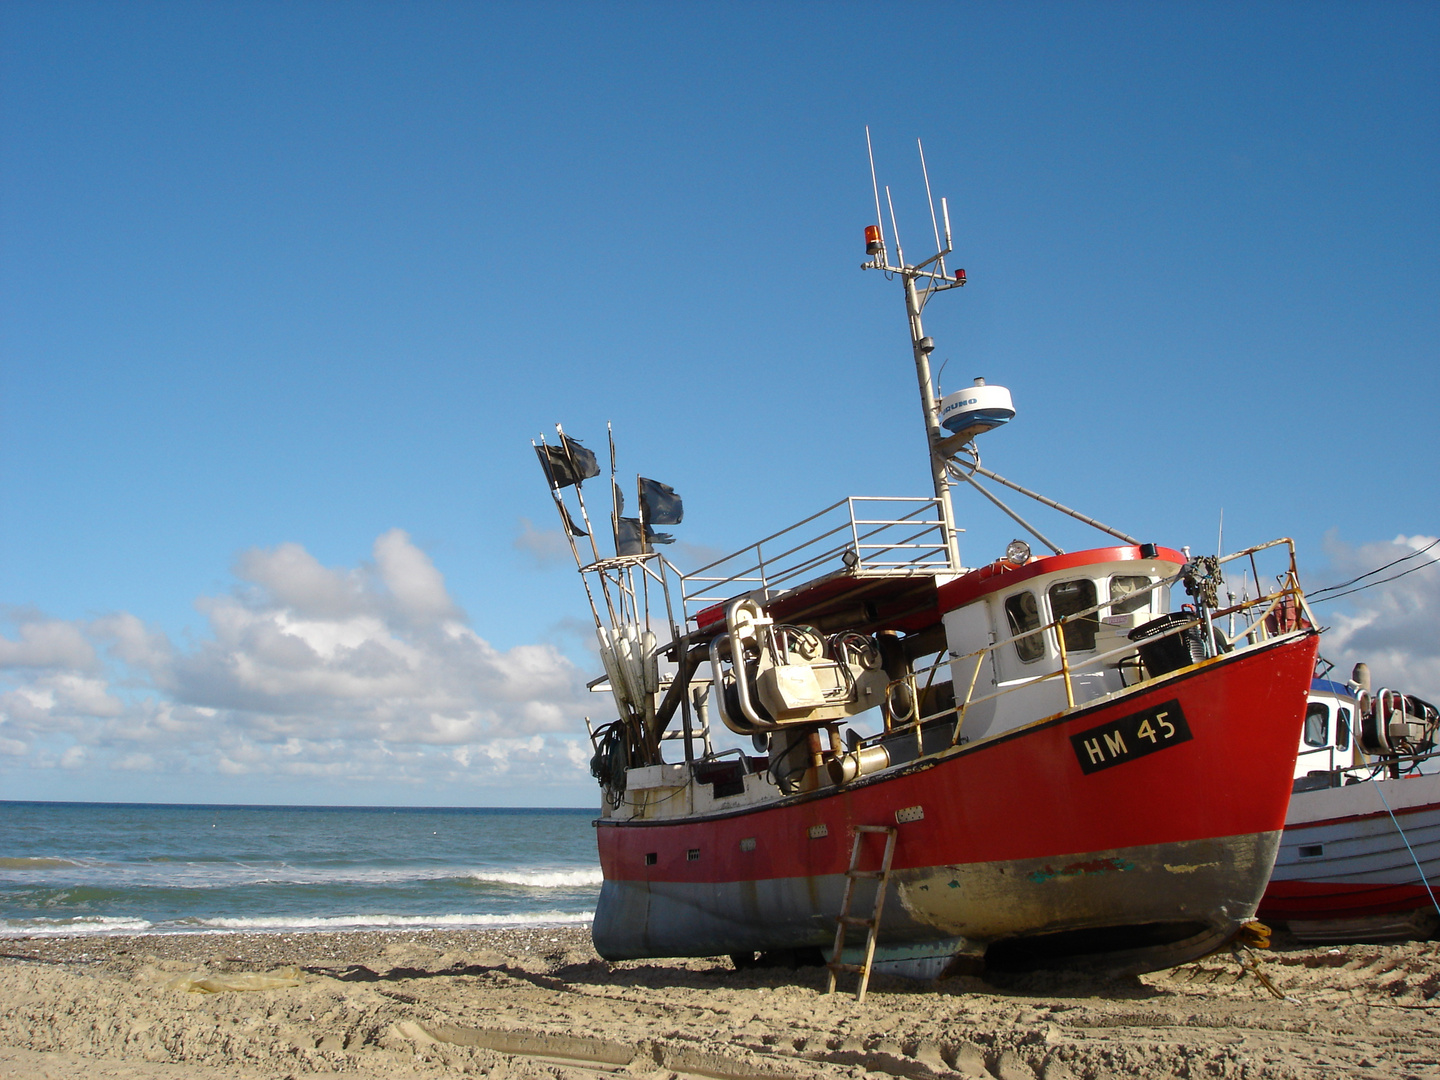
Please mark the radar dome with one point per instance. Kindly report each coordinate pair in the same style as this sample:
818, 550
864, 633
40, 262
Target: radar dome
976, 409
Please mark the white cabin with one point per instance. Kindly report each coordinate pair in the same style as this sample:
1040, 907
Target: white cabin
1110, 591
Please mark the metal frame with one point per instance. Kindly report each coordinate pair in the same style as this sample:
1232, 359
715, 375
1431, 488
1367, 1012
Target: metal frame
855, 540
1256, 610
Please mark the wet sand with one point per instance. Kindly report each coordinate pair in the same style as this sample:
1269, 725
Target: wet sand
540, 1004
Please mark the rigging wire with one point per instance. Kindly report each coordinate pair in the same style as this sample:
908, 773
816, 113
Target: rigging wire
1382, 581
1315, 598
1392, 562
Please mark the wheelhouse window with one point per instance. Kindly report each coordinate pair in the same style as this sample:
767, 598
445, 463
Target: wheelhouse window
1068, 597
1342, 729
1317, 724
1128, 593
1023, 611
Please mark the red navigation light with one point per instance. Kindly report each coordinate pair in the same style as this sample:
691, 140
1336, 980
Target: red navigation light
960, 277
872, 240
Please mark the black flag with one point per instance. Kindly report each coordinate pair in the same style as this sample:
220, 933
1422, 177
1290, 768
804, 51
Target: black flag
574, 530
567, 464
659, 503
627, 537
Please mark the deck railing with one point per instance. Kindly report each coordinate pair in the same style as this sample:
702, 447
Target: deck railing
1266, 616
863, 536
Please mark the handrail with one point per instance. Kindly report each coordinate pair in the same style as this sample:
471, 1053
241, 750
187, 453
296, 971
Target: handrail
1257, 630
909, 541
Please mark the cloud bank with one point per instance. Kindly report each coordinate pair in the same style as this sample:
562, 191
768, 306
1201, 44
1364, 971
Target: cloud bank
314, 682
1392, 625
308, 674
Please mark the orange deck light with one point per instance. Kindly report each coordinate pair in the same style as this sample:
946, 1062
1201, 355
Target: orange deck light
872, 240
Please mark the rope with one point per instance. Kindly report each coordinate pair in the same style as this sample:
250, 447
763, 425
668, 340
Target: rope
612, 758
1406, 840
1249, 962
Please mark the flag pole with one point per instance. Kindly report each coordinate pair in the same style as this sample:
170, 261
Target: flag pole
615, 501
565, 528
645, 548
584, 516
579, 494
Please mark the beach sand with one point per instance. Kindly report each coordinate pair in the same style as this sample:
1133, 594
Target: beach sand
540, 1004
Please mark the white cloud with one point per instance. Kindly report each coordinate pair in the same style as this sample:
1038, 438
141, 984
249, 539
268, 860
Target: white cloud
548, 547
131, 642
1392, 625
360, 674
47, 643
292, 578
416, 586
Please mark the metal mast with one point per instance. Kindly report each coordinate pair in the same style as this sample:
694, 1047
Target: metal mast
935, 279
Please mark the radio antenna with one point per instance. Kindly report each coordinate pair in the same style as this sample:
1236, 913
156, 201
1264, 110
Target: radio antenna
926, 173
875, 186
894, 228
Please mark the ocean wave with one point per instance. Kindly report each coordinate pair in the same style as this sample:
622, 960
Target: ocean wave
81, 924
418, 922
41, 863
220, 875
36, 863
542, 879
100, 926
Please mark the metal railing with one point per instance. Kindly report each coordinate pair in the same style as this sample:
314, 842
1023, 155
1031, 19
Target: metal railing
862, 536
1267, 616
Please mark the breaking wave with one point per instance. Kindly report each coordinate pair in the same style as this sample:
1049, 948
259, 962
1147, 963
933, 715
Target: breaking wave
542, 879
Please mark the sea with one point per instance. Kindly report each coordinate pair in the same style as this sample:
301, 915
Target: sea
125, 868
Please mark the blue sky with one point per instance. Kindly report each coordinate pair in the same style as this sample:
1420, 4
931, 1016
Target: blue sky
288, 288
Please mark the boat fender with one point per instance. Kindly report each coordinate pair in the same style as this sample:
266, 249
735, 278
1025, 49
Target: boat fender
612, 671
625, 666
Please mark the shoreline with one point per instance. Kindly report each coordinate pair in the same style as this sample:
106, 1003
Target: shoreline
538, 1004
519, 925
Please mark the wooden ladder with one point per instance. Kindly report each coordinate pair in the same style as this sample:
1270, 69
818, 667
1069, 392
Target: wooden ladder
845, 920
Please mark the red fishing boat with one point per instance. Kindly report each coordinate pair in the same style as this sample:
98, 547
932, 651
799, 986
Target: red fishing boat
1033, 761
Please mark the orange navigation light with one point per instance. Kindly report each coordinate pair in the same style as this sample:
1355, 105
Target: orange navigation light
960, 277
872, 240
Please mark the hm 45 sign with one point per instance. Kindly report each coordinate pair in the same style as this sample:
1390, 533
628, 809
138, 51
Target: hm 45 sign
1131, 737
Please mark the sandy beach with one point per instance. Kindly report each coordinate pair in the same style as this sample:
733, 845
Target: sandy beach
540, 1003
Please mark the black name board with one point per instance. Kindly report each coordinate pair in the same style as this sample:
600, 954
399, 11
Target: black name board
1130, 737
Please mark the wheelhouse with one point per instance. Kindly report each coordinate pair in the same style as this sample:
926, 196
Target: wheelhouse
1038, 618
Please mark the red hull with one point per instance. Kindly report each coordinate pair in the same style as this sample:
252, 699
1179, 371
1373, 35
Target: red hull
1022, 799
1316, 900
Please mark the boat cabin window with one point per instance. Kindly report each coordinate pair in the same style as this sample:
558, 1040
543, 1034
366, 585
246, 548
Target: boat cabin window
1068, 597
1317, 724
1342, 729
1129, 593
1023, 611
